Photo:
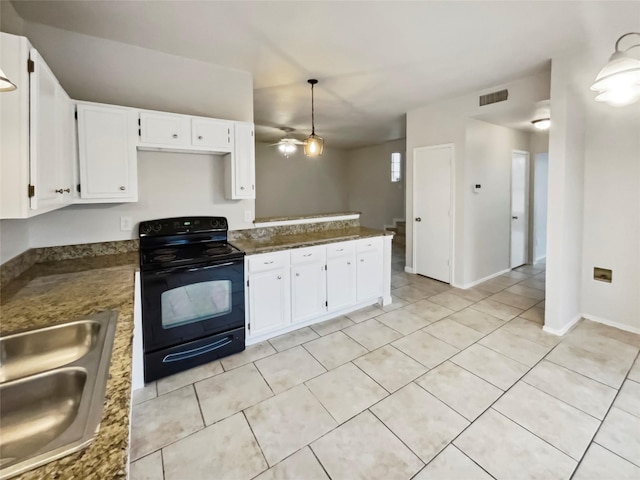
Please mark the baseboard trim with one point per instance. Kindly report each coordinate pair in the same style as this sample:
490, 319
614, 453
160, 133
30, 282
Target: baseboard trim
409, 269
561, 331
540, 260
478, 282
610, 323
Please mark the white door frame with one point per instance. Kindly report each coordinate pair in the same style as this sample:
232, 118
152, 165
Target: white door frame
452, 228
527, 200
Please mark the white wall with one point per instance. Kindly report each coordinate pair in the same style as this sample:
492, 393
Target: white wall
14, 238
540, 192
369, 184
538, 144
300, 185
446, 122
100, 70
611, 226
487, 226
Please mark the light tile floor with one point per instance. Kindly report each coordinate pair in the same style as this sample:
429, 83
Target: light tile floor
443, 384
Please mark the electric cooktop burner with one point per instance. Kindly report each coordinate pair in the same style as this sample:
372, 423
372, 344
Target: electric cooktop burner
218, 250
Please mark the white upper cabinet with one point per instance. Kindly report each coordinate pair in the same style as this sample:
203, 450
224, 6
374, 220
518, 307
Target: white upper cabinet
212, 134
107, 153
173, 131
36, 135
240, 164
165, 129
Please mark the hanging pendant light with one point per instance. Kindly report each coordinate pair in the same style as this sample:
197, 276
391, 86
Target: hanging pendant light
618, 83
314, 144
6, 85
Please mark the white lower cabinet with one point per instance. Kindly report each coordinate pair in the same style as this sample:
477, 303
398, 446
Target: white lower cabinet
308, 284
369, 269
302, 286
268, 293
341, 281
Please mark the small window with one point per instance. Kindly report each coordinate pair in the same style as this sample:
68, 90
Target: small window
395, 167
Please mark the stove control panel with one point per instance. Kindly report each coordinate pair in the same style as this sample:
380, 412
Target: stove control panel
182, 225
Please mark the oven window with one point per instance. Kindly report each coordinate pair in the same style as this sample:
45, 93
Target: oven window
195, 302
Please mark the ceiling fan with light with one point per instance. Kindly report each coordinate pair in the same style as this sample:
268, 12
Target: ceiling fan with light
287, 144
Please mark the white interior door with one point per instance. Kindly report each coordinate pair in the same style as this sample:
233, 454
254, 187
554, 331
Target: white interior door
432, 212
519, 208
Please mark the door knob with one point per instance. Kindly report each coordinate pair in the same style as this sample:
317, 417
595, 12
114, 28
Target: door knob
418, 219
514, 218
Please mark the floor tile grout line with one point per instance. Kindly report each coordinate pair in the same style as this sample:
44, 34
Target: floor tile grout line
195, 391
162, 462
612, 452
255, 438
319, 462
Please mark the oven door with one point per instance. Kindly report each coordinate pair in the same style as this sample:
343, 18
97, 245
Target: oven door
182, 304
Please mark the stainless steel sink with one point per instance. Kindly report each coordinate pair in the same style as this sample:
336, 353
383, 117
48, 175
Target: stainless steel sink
52, 386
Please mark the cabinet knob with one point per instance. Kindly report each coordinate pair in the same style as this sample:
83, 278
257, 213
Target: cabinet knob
362, 259
175, 135
59, 190
241, 188
297, 274
279, 277
199, 137
348, 263
122, 188
418, 219
68, 190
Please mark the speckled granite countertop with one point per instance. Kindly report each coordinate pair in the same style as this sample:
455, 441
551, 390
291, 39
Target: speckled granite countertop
302, 217
308, 239
54, 292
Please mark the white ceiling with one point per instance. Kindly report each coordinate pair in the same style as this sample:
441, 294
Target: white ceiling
375, 59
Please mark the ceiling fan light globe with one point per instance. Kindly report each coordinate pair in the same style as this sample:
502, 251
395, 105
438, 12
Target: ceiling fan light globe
6, 85
542, 124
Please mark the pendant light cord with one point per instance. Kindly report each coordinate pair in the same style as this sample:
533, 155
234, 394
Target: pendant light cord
313, 124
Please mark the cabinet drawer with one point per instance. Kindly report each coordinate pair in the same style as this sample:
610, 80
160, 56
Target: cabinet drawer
268, 261
369, 244
339, 249
306, 255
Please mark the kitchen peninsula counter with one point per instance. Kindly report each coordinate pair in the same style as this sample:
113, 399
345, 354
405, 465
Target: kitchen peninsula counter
284, 241
59, 291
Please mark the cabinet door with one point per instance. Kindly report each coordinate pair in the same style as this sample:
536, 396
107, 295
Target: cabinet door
107, 153
369, 275
66, 145
44, 157
165, 129
212, 134
341, 282
240, 165
308, 291
268, 301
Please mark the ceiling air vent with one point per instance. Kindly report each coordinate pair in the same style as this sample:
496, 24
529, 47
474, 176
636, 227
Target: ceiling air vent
494, 97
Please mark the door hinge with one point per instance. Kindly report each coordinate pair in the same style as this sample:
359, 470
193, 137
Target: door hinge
326, 304
249, 326
140, 133
31, 190
31, 67
325, 267
247, 283
139, 122
78, 188
75, 114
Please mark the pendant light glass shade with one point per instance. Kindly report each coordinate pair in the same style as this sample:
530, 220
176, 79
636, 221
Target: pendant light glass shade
6, 85
618, 83
313, 145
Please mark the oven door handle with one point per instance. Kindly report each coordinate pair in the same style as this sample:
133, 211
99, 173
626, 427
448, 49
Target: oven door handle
162, 273
176, 357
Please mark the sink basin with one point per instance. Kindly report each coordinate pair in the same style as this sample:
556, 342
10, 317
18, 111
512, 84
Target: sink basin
27, 353
52, 386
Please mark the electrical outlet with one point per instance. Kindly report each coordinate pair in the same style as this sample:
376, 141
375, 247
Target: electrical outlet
126, 224
248, 216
